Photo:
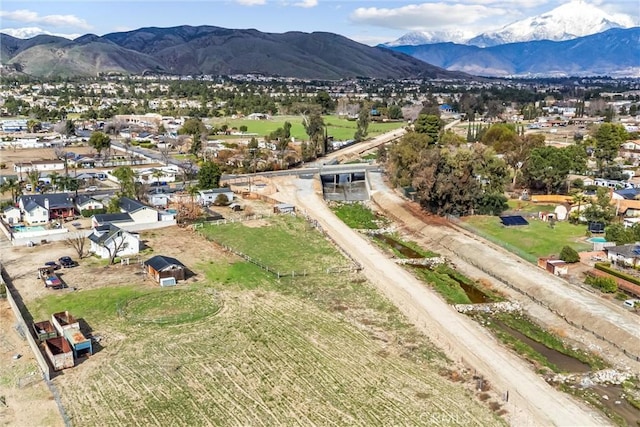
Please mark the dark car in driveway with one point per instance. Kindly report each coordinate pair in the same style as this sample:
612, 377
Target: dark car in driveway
52, 264
67, 262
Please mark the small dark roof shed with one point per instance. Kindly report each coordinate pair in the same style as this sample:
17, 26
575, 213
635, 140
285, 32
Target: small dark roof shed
161, 262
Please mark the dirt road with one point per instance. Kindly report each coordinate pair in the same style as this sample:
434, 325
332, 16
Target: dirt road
532, 402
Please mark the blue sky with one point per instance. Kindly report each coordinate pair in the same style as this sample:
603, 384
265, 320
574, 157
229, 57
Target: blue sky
366, 21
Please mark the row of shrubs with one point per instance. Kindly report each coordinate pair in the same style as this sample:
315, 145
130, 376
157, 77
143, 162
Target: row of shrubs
605, 284
144, 144
606, 267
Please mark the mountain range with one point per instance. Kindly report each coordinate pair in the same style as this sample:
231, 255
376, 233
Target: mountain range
188, 50
566, 22
615, 53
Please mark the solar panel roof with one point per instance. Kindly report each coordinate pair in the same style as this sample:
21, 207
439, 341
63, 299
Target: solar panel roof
513, 220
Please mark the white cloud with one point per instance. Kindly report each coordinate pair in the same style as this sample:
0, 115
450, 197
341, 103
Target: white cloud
426, 16
28, 32
251, 2
306, 3
31, 17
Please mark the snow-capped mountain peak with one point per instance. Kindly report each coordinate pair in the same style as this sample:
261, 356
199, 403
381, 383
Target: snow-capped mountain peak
416, 38
576, 18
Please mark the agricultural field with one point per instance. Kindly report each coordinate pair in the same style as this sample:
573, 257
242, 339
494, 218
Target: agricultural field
340, 129
236, 346
535, 240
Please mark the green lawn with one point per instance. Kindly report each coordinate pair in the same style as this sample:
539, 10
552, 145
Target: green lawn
285, 244
536, 239
528, 207
339, 129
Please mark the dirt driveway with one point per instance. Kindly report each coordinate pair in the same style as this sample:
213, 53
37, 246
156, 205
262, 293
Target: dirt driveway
532, 401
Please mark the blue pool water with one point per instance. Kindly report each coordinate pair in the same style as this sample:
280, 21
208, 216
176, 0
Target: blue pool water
172, 211
26, 228
597, 240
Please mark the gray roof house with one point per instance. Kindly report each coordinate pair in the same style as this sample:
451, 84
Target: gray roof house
88, 203
58, 205
140, 213
48, 200
624, 254
121, 219
208, 197
109, 239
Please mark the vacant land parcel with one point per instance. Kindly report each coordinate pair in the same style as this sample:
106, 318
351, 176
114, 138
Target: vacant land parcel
237, 346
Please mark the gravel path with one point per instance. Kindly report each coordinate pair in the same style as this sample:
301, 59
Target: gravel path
532, 402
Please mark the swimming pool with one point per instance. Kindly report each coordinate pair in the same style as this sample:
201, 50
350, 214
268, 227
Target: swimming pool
27, 228
597, 240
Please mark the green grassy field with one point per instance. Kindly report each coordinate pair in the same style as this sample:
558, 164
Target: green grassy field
340, 129
317, 350
358, 216
536, 239
312, 254
526, 207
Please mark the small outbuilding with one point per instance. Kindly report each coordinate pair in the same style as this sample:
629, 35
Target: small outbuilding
554, 266
283, 208
164, 270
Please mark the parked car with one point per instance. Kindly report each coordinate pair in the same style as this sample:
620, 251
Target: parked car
67, 262
92, 188
53, 265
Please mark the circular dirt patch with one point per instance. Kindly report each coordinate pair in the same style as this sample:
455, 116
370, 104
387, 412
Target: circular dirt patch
172, 306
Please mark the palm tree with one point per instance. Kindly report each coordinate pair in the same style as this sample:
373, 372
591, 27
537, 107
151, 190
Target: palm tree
55, 180
192, 190
33, 177
157, 174
578, 199
12, 185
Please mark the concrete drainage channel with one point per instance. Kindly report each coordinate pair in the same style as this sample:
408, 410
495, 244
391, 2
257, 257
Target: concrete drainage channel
609, 397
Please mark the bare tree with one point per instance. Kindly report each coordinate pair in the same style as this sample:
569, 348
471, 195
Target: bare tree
189, 171
119, 244
61, 154
165, 152
77, 241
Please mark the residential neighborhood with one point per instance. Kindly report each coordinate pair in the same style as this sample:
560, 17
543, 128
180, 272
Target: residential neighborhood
505, 214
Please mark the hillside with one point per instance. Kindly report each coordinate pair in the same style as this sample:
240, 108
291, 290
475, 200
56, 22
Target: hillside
213, 50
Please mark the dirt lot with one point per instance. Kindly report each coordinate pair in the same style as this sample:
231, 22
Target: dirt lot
9, 157
264, 327
28, 400
32, 403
